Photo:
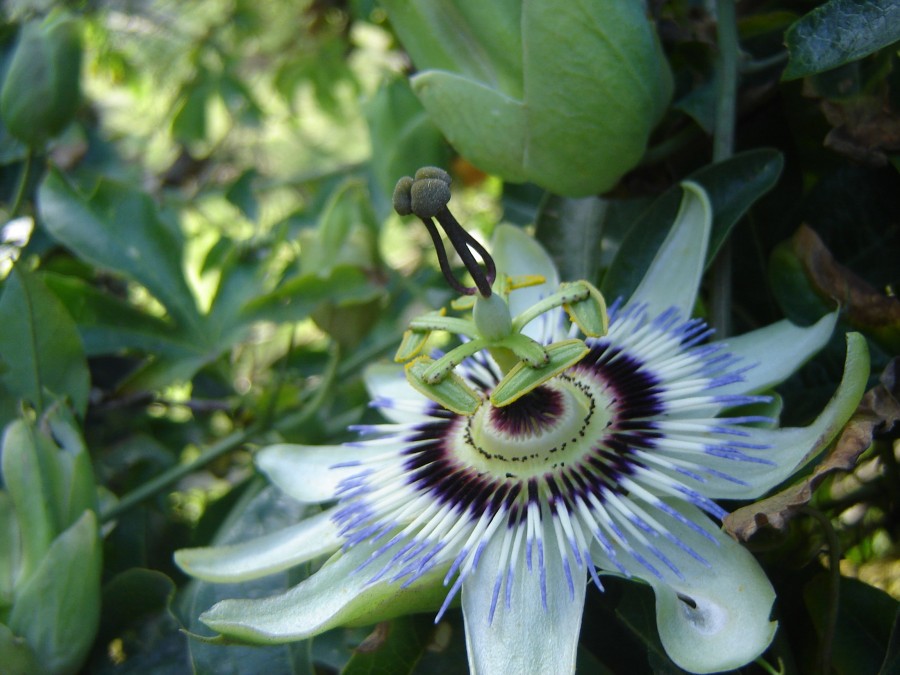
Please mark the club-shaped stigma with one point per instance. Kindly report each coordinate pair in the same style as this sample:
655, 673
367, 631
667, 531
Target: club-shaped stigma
426, 196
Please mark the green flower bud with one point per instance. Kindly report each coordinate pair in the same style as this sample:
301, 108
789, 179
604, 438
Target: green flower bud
42, 87
559, 93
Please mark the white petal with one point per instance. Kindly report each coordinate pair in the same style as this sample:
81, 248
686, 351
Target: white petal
524, 637
792, 447
718, 616
674, 275
336, 595
517, 254
308, 539
387, 382
776, 351
309, 473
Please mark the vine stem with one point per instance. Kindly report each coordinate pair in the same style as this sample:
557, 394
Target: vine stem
231, 442
334, 369
723, 148
24, 176
834, 587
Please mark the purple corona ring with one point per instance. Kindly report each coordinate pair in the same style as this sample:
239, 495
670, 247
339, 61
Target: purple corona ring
611, 467
577, 469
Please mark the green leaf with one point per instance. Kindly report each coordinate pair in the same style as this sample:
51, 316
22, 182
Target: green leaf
393, 648
345, 233
189, 123
30, 474
297, 298
128, 596
791, 286
10, 551
15, 654
57, 609
864, 623
571, 230
838, 32
49, 488
242, 278
891, 665
77, 488
40, 349
636, 611
110, 325
241, 193
118, 228
403, 136
732, 186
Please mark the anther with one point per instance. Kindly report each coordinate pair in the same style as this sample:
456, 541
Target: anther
427, 196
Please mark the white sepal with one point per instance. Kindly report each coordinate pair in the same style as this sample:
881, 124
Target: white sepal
271, 553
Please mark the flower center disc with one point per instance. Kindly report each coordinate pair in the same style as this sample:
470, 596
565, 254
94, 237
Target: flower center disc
543, 430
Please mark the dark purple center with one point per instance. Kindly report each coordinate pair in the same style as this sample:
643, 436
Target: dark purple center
529, 415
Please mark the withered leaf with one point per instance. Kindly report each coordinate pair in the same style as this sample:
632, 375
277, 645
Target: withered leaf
867, 309
877, 414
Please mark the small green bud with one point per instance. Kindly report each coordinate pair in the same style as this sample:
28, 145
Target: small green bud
42, 88
563, 94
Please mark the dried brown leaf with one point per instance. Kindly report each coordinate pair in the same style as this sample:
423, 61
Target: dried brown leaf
865, 128
867, 309
878, 413
376, 639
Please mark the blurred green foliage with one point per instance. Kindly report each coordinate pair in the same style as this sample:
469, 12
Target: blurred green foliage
197, 200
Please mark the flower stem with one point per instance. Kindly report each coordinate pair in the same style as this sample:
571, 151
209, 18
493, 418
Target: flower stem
769, 668
166, 478
723, 148
230, 442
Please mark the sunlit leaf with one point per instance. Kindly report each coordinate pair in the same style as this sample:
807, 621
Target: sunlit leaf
40, 350
117, 227
57, 609
110, 325
189, 123
297, 298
